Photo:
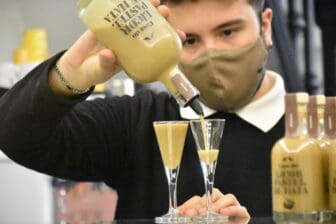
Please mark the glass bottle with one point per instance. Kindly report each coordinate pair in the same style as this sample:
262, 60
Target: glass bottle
330, 132
146, 45
316, 129
297, 172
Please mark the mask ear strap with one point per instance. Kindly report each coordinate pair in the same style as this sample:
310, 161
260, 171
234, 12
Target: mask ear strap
260, 22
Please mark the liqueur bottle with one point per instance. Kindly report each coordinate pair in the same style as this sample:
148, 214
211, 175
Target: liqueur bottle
330, 132
316, 129
297, 168
147, 47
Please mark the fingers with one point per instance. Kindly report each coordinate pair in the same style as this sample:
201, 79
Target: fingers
193, 206
163, 10
222, 201
226, 205
235, 211
84, 46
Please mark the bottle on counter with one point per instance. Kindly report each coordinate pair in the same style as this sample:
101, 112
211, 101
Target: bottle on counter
147, 47
297, 168
316, 129
330, 132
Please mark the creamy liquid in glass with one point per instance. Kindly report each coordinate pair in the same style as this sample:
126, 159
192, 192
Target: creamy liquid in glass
208, 156
171, 139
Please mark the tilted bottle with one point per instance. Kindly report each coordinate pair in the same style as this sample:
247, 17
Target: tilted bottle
330, 132
147, 47
297, 168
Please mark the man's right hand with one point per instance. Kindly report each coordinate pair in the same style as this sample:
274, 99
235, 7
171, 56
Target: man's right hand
87, 62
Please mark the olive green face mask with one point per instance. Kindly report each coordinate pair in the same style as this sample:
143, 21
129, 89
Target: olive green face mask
227, 80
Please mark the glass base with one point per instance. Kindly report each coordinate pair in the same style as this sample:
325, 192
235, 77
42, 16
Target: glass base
314, 217
173, 216
210, 216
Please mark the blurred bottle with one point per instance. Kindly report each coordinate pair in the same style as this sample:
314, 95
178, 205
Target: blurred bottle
35, 43
297, 168
316, 128
33, 50
330, 132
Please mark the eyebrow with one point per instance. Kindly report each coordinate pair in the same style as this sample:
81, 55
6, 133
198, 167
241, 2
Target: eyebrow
223, 25
231, 23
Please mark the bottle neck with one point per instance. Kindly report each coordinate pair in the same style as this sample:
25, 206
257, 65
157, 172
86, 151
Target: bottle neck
315, 122
179, 86
330, 119
296, 122
320, 127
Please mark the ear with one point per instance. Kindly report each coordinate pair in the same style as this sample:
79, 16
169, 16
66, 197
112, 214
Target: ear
266, 26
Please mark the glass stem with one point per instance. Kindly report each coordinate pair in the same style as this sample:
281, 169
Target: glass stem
172, 179
172, 196
209, 186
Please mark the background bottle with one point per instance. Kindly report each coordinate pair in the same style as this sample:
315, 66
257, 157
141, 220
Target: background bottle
297, 180
316, 129
330, 132
147, 47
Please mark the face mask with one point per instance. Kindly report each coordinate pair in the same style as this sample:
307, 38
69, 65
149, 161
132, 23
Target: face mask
227, 80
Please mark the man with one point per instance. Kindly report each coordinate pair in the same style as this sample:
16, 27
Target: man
50, 128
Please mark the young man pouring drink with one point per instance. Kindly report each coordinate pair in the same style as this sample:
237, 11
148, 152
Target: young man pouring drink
50, 128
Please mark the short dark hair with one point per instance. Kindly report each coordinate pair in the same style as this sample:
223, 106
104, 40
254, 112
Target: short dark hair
258, 5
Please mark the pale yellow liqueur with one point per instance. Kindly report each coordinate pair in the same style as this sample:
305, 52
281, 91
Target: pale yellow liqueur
297, 177
208, 156
297, 167
171, 139
332, 178
330, 132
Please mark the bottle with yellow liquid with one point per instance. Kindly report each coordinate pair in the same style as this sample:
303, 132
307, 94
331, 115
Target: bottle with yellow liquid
147, 47
297, 168
330, 132
316, 129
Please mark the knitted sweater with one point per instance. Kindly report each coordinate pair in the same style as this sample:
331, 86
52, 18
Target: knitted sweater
113, 140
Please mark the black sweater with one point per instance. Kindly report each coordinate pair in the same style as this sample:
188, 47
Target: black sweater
112, 140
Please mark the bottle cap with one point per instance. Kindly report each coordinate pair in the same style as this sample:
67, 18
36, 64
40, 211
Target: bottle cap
302, 97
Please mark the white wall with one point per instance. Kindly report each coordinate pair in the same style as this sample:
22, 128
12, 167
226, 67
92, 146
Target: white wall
25, 195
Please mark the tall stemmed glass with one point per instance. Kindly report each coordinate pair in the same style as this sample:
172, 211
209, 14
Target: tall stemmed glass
171, 136
208, 134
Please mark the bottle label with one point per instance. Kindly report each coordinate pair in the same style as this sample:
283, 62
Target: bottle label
131, 16
184, 87
289, 180
297, 178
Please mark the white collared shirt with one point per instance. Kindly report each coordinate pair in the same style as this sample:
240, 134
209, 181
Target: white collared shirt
264, 113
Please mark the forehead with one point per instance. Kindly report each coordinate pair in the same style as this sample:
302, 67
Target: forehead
190, 13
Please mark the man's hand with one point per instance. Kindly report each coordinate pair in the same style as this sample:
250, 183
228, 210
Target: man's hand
87, 62
226, 205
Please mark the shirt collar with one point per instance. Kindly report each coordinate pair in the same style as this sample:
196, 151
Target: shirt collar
264, 113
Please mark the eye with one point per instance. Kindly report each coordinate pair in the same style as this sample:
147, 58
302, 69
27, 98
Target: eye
229, 32
189, 41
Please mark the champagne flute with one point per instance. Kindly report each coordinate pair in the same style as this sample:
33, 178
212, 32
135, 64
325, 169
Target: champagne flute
171, 136
208, 134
